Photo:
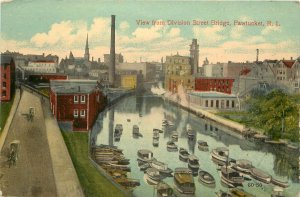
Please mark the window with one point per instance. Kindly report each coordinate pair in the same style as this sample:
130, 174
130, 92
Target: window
4, 84
75, 99
211, 103
75, 113
232, 104
217, 103
82, 113
227, 103
4, 75
82, 98
206, 103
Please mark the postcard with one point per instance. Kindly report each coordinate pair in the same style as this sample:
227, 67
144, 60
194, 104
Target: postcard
150, 98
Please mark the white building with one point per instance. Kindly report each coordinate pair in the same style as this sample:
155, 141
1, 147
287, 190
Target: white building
41, 67
214, 100
213, 70
148, 69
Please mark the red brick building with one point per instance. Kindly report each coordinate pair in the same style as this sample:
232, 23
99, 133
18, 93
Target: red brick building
7, 80
45, 78
214, 84
77, 102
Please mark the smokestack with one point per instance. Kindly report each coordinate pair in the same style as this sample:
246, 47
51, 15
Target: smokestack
257, 54
112, 53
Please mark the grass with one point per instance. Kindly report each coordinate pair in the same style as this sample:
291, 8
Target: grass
4, 111
237, 116
91, 180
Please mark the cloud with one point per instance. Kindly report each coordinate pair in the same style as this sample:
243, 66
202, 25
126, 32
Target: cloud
270, 29
209, 35
5, 1
124, 25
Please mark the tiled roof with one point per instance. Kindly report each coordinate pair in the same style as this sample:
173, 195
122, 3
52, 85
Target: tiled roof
288, 63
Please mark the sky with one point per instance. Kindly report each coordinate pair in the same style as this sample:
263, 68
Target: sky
60, 26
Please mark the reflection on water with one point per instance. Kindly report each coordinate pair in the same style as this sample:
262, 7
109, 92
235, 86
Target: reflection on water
148, 113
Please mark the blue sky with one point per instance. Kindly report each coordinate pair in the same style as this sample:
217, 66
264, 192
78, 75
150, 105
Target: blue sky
52, 26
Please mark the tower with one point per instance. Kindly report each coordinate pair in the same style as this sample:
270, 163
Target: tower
111, 76
87, 51
257, 54
194, 55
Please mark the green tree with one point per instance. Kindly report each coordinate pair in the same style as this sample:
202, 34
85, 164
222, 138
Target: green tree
277, 113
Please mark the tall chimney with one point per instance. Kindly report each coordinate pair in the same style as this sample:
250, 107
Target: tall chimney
112, 65
257, 54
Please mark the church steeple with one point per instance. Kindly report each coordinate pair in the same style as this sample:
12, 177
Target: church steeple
87, 52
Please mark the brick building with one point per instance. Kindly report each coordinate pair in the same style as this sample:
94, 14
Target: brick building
45, 78
76, 102
219, 84
7, 80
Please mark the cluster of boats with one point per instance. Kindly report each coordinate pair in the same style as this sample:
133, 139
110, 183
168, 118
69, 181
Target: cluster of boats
234, 172
112, 160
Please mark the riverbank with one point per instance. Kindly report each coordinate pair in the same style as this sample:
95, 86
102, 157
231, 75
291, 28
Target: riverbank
93, 182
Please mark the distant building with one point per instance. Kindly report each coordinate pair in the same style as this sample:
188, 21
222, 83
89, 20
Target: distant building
7, 80
46, 78
213, 70
41, 67
233, 69
214, 100
194, 55
76, 102
219, 84
148, 69
119, 59
178, 71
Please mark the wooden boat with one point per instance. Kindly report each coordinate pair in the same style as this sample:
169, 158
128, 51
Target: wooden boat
183, 154
277, 182
144, 166
174, 136
127, 183
202, 145
145, 155
161, 167
171, 146
260, 175
277, 192
223, 194
220, 153
164, 190
155, 134
206, 178
193, 162
230, 176
153, 174
135, 130
119, 127
155, 142
184, 181
159, 130
191, 134
239, 193
116, 166
243, 165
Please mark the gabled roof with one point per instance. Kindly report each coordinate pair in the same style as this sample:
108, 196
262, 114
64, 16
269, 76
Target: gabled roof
288, 63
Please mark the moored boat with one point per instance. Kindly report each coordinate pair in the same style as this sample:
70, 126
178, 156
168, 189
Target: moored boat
135, 130
144, 166
155, 142
183, 154
153, 174
159, 130
155, 134
193, 162
184, 181
243, 165
202, 145
161, 167
145, 155
239, 193
223, 194
279, 183
206, 178
174, 135
164, 190
277, 192
171, 146
220, 153
260, 175
230, 176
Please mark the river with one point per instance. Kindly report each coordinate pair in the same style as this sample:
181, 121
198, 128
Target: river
148, 112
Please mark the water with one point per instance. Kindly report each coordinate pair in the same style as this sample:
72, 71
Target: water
148, 112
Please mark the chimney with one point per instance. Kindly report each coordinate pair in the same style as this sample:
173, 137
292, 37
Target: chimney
98, 60
92, 59
291, 58
78, 88
257, 54
112, 53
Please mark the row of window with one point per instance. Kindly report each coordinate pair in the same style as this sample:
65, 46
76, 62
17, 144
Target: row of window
82, 113
217, 104
82, 99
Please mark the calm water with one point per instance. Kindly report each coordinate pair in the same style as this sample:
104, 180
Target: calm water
148, 112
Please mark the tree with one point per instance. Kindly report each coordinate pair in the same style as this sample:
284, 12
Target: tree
277, 113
